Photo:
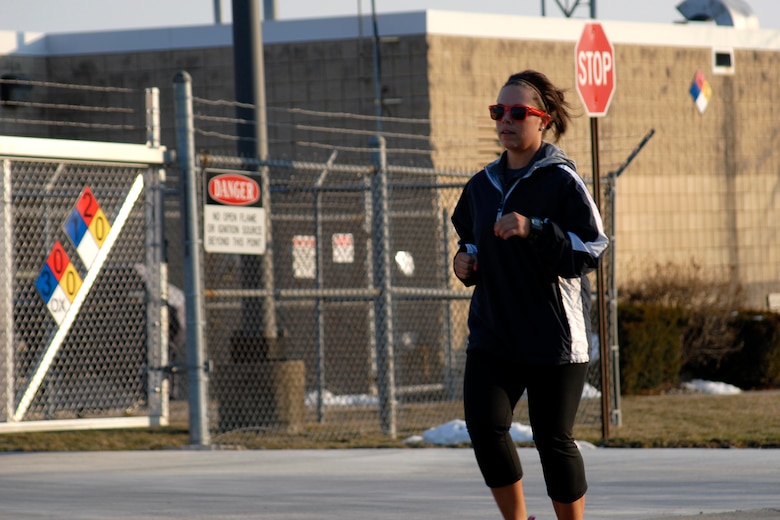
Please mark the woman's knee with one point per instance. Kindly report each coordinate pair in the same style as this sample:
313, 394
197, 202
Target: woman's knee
563, 468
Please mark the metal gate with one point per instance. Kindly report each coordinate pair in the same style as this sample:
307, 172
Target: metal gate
83, 298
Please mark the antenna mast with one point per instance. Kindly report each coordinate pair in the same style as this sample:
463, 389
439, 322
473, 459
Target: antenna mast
568, 10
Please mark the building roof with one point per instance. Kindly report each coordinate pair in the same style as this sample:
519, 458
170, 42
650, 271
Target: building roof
437, 22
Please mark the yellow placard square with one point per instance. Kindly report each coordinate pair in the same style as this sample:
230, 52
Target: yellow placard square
99, 227
70, 281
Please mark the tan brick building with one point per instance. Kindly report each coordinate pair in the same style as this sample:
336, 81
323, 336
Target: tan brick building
705, 190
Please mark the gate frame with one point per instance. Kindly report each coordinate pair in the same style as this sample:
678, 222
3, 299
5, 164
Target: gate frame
152, 158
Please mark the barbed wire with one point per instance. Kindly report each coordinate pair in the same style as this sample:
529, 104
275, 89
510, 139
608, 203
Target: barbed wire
362, 117
357, 149
54, 107
221, 102
303, 111
73, 86
348, 131
580, 151
234, 120
310, 128
426, 138
361, 149
617, 145
221, 135
62, 106
223, 119
46, 122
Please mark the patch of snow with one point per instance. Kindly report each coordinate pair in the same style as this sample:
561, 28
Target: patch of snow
712, 387
331, 399
455, 432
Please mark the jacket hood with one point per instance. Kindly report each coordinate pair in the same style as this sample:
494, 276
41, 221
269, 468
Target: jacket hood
550, 155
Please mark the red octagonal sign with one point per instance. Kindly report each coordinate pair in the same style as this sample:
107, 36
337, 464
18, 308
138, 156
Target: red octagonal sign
594, 63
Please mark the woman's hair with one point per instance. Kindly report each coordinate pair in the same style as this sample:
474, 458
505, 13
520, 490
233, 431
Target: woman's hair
550, 97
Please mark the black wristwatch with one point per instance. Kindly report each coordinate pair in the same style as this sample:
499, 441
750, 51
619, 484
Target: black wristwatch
537, 226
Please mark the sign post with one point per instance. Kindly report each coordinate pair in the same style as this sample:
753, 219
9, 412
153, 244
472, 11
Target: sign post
594, 69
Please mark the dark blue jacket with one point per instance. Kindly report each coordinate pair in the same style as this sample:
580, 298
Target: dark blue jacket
531, 299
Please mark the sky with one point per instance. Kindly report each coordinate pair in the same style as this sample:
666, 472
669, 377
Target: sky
55, 16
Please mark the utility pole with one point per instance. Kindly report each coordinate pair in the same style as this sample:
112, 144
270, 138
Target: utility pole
259, 338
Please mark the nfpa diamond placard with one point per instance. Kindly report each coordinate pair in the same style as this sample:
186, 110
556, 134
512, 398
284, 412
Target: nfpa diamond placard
58, 282
700, 90
87, 227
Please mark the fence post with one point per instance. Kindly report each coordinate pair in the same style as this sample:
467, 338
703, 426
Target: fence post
319, 284
6, 295
156, 270
451, 383
612, 304
384, 303
197, 381
614, 347
368, 220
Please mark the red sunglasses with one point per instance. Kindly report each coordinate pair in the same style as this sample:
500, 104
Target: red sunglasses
516, 112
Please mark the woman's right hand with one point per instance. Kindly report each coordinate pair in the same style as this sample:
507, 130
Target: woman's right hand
464, 265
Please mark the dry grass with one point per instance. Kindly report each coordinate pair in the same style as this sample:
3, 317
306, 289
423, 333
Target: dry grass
750, 419
93, 440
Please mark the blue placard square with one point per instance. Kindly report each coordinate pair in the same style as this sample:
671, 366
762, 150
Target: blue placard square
46, 283
75, 227
695, 90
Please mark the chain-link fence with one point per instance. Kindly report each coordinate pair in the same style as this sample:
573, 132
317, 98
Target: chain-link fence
355, 354
351, 323
83, 304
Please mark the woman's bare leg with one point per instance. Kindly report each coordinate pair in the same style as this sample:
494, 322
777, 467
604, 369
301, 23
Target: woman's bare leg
511, 501
573, 511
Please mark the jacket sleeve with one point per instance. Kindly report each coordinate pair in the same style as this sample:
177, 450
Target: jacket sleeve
464, 226
573, 242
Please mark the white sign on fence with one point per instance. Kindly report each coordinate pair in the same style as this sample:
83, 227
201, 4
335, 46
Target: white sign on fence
304, 256
233, 218
343, 248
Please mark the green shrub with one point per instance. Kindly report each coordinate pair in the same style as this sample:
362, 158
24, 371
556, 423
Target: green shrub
650, 339
754, 362
686, 314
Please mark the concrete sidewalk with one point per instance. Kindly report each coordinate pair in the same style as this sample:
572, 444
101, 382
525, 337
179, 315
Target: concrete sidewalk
759, 514
408, 484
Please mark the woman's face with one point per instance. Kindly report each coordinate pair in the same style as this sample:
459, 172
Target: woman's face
519, 136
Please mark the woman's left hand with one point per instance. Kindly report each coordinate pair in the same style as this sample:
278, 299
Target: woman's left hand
512, 225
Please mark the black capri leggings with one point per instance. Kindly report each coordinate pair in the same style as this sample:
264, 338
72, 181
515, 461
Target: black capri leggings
492, 388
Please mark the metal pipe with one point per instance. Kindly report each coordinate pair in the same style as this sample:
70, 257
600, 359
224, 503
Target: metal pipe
601, 289
249, 80
319, 284
269, 9
377, 70
197, 380
218, 12
382, 280
156, 270
7, 294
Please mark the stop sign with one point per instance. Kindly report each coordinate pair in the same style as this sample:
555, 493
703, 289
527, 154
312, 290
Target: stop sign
594, 63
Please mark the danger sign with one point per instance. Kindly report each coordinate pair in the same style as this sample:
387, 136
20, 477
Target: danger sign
233, 216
